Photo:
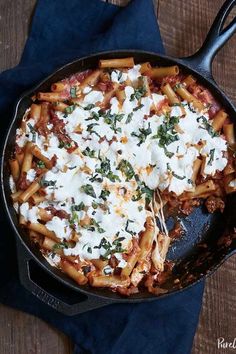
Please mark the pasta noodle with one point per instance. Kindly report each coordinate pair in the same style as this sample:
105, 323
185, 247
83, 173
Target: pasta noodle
99, 159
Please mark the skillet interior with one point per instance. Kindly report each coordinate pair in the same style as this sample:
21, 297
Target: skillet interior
193, 261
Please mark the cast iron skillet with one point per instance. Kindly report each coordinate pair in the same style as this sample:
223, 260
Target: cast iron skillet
197, 254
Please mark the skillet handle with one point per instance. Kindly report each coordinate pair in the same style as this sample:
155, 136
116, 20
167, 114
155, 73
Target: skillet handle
216, 38
69, 302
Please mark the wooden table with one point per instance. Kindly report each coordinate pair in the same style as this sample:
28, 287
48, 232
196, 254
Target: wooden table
183, 25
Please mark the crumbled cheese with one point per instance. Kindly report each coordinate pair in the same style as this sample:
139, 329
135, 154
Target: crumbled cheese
31, 174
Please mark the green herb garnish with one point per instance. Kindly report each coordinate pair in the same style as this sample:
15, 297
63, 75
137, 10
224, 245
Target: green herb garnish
177, 176
143, 133
69, 110
88, 189
73, 93
126, 168
166, 132
78, 207
105, 170
129, 118
112, 119
104, 194
88, 152
139, 107
212, 152
40, 164
59, 246
45, 183
168, 153
89, 106
32, 131
96, 178
127, 226
207, 126
138, 93
65, 145
94, 116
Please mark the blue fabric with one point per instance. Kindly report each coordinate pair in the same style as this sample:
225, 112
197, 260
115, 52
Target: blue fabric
62, 31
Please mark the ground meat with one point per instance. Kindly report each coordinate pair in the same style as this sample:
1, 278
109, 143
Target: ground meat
206, 97
187, 206
23, 183
177, 231
62, 214
105, 86
213, 203
59, 130
162, 277
113, 262
127, 292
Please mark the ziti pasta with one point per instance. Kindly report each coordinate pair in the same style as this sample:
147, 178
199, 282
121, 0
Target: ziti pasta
99, 158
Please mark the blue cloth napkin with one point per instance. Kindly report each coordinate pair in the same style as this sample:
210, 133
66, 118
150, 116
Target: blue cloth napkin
62, 31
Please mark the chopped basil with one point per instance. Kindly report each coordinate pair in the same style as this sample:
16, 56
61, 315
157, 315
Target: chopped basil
94, 116
143, 134
94, 205
31, 128
138, 93
207, 126
104, 244
112, 119
148, 193
88, 152
89, 249
78, 207
100, 230
168, 153
139, 107
140, 208
105, 170
166, 132
126, 168
104, 194
89, 106
93, 225
190, 107
129, 118
33, 132
88, 189
69, 110
40, 164
74, 218
190, 181
45, 183
96, 178
142, 189
59, 246
177, 176
119, 75
115, 247
127, 226
212, 153
91, 126
65, 145
73, 93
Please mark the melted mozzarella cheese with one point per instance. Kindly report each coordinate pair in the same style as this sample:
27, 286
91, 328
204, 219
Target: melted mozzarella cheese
98, 181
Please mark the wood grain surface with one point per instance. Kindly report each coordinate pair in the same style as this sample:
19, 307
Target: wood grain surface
183, 25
